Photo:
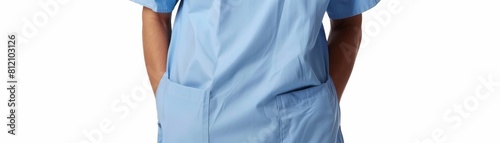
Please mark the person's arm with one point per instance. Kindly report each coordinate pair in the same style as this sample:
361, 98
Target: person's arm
343, 45
156, 32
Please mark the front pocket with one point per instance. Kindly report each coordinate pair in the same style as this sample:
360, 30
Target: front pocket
309, 115
183, 113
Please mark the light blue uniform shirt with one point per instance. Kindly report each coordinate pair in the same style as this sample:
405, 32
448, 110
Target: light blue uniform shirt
250, 71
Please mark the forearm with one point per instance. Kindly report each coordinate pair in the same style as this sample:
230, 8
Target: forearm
156, 34
343, 44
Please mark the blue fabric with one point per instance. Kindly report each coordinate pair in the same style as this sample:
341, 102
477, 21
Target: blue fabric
161, 6
250, 71
338, 9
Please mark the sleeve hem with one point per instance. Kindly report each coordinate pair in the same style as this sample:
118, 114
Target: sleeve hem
154, 7
360, 10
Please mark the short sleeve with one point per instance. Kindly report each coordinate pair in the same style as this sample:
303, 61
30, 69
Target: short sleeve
161, 6
338, 9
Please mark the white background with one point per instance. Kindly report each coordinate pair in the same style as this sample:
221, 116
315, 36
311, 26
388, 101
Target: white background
83, 66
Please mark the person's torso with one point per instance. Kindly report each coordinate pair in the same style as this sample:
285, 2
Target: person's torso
248, 71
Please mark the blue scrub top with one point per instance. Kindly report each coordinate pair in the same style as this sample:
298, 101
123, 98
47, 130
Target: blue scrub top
250, 71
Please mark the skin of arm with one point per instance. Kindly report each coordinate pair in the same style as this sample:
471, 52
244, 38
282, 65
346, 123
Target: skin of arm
343, 45
156, 32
